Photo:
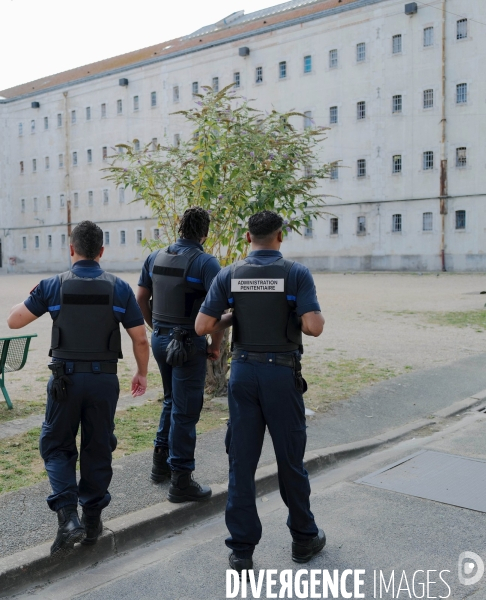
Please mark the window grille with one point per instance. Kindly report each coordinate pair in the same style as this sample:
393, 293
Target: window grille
460, 219
461, 31
427, 221
428, 36
361, 110
360, 52
397, 223
307, 64
397, 104
397, 44
428, 160
461, 158
334, 223
361, 167
333, 59
397, 164
428, 98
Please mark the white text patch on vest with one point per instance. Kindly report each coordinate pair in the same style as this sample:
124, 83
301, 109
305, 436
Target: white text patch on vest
257, 285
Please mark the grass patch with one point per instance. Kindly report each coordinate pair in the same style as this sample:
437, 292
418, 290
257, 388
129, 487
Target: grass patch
331, 381
20, 409
470, 318
20, 462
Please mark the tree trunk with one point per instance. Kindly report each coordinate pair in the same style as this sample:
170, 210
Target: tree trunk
216, 382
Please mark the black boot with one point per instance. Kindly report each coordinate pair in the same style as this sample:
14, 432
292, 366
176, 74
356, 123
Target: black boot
183, 488
70, 531
160, 468
302, 551
93, 526
238, 564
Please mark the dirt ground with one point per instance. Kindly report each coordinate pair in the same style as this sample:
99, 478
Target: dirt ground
383, 318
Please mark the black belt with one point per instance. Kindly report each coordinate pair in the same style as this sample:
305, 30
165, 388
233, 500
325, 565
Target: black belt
89, 367
167, 330
283, 360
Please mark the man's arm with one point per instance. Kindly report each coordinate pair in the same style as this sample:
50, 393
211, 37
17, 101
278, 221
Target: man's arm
313, 323
143, 299
20, 316
206, 324
140, 344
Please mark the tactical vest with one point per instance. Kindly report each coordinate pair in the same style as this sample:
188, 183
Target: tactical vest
174, 298
264, 318
86, 328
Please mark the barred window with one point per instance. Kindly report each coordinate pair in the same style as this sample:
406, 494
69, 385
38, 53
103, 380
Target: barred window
136, 145
361, 167
76, 199
461, 157
36, 241
59, 120
34, 165
428, 160
73, 116
21, 167
32, 126
48, 202
103, 110
461, 93
61, 161
104, 153
427, 221
282, 69
46, 122
333, 114
22, 204
107, 238
136, 103
259, 75
333, 59
123, 237
334, 172
195, 87
361, 226
47, 164
215, 84
397, 104
397, 43
89, 155
88, 113
334, 223
24, 242
396, 223
461, 30
75, 159
62, 201
428, 98
63, 240
121, 195
90, 198
428, 36
177, 140
397, 163
361, 110
237, 79
119, 107
460, 219
49, 241
106, 197
175, 94
307, 64
153, 99
21, 129
360, 52
139, 236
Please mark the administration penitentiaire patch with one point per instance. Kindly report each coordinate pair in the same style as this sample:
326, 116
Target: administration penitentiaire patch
257, 285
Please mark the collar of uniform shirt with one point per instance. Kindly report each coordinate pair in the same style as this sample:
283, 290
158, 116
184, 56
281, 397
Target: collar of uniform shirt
265, 253
191, 243
86, 268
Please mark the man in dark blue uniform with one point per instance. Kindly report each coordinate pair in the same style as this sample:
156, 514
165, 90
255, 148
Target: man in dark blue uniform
86, 305
173, 283
274, 301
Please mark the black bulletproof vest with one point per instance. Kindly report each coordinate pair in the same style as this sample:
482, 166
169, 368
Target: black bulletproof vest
264, 320
174, 298
86, 328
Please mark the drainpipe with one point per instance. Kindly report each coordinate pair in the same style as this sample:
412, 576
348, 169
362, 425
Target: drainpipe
67, 166
443, 149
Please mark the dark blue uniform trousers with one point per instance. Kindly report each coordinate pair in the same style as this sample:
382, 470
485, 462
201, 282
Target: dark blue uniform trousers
183, 401
91, 403
260, 395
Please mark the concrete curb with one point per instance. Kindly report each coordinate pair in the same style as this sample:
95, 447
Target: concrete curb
34, 565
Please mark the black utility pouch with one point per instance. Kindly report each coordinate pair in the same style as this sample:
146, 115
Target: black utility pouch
180, 349
60, 381
300, 382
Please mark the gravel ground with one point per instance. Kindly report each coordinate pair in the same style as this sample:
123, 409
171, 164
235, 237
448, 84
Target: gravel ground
379, 317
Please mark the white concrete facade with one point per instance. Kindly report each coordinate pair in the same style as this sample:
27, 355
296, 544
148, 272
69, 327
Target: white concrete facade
379, 195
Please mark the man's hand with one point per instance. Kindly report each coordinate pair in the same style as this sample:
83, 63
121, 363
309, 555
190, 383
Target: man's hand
139, 385
213, 351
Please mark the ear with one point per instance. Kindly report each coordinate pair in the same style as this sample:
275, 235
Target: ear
248, 237
280, 236
101, 251
71, 250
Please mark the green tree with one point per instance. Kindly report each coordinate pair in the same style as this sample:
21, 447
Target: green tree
238, 161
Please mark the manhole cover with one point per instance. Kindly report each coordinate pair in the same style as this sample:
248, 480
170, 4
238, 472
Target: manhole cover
445, 478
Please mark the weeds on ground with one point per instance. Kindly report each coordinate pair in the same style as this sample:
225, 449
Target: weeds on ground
470, 318
21, 409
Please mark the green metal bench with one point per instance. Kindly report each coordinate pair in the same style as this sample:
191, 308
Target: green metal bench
13, 356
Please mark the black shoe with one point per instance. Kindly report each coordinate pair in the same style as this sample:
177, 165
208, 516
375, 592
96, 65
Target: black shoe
302, 551
238, 564
70, 531
160, 468
183, 488
94, 528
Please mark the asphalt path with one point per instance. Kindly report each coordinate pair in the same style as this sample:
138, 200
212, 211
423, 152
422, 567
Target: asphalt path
376, 531
26, 521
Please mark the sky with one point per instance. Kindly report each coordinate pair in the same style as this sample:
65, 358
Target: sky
43, 37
